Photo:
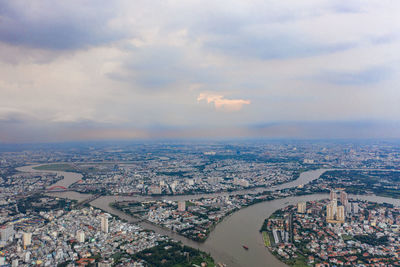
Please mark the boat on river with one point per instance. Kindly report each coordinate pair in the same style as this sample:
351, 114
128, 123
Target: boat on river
245, 247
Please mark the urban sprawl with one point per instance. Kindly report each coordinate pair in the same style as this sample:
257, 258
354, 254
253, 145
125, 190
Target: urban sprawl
49, 215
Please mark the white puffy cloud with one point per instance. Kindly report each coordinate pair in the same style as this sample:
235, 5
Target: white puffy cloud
222, 103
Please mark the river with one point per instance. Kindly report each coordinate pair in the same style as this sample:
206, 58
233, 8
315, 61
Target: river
69, 179
240, 228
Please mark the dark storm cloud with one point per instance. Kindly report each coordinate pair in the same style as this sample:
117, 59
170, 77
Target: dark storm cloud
56, 25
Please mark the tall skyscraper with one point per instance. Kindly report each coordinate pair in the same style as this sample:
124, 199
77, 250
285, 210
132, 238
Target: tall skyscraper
334, 213
332, 195
334, 203
26, 239
301, 207
343, 198
340, 214
330, 212
181, 205
80, 236
104, 223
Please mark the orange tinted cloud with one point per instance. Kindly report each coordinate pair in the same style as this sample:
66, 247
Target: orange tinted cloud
222, 103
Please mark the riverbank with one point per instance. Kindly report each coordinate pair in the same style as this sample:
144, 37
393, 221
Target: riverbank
225, 242
69, 177
304, 237
229, 251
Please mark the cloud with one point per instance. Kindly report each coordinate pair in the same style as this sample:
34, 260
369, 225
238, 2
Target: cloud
57, 25
279, 46
370, 76
144, 63
222, 103
156, 68
13, 115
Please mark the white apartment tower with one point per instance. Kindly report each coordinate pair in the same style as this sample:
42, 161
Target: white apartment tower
330, 212
340, 214
301, 207
26, 239
332, 195
80, 236
335, 213
104, 223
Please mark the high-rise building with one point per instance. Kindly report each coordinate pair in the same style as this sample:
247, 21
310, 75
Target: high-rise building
330, 212
343, 198
26, 239
355, 208
347, 208
340, 214
80, 236
334, 204
332, 195
6, 232
27, 256
335, 213
301, 207
181, 205
104, 223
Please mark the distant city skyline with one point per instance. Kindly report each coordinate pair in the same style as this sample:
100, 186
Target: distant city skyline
73, 71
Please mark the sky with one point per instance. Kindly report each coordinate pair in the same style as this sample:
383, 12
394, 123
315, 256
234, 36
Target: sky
94, 70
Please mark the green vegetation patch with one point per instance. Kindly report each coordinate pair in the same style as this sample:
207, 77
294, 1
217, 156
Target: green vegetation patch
171, 254
189, 204
267, 241
56, 167
372, 239
381, 183
299, 261
347, 237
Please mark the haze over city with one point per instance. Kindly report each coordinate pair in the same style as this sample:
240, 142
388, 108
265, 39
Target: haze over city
199, 133
95, 70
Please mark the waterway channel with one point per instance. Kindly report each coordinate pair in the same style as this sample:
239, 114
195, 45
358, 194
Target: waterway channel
240, 228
